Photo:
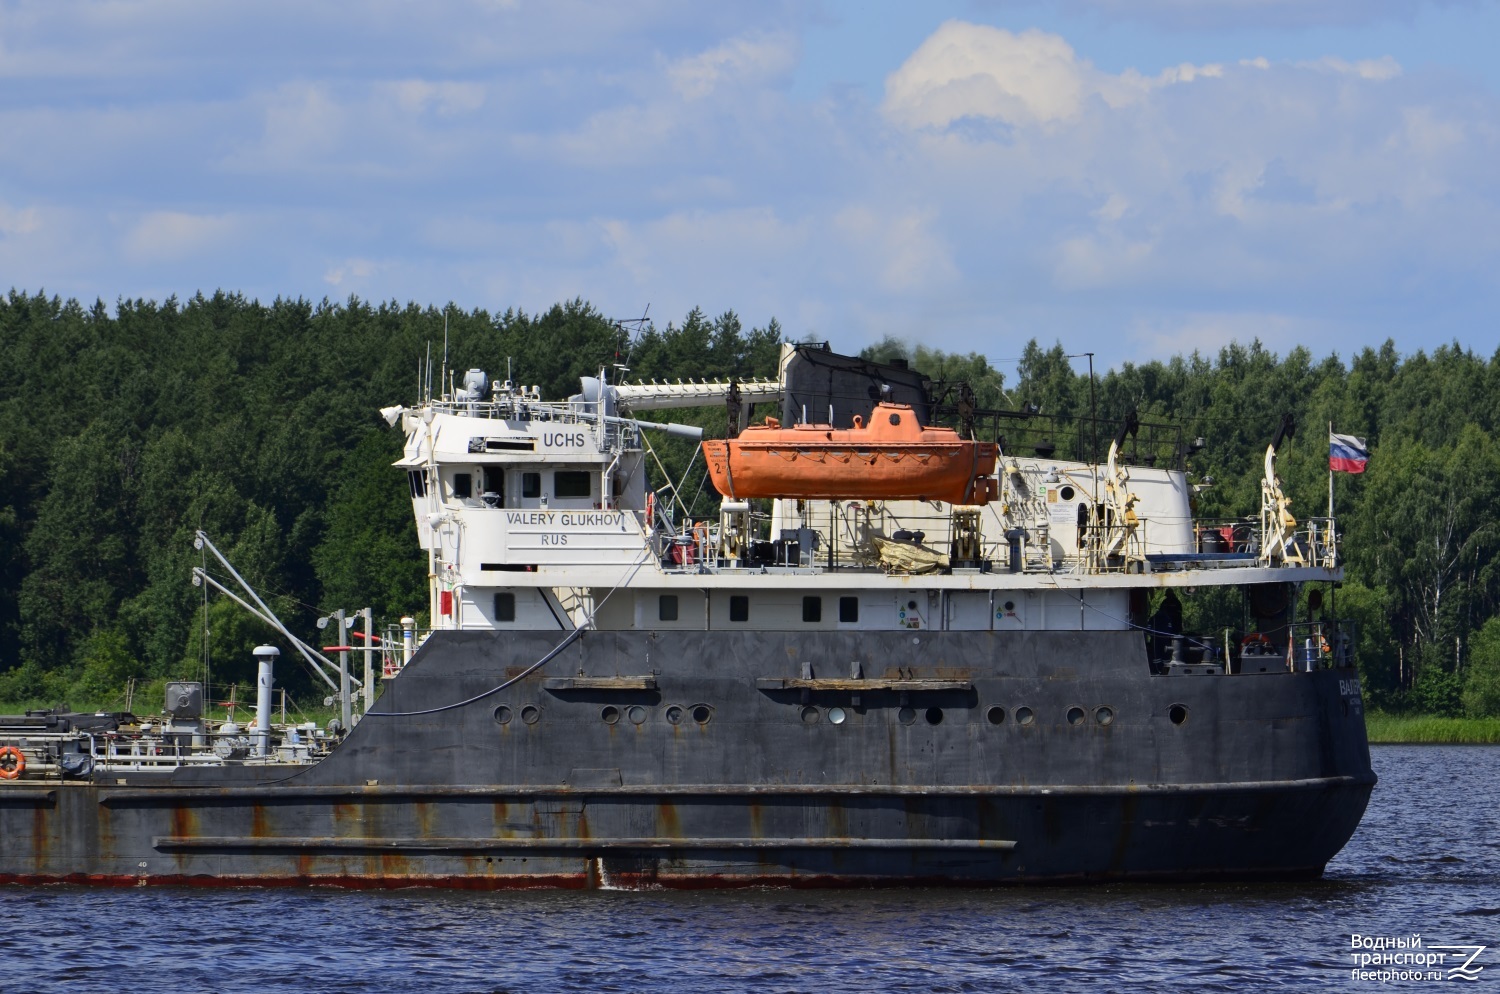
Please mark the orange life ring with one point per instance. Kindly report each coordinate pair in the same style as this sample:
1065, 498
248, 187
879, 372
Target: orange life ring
1255, 644
12, 762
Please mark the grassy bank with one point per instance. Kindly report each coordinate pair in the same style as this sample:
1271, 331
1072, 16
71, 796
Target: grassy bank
1416, 729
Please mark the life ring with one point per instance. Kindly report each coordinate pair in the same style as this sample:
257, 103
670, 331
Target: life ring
12, 762
1255, 644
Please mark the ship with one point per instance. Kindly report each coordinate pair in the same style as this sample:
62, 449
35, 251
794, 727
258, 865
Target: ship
842, 677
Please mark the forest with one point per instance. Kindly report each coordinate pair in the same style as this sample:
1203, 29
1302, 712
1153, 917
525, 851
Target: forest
127, 429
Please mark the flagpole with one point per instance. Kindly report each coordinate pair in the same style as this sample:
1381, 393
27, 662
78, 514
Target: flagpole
1330, 479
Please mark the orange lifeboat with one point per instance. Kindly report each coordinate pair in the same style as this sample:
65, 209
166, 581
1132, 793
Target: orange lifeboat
893, 458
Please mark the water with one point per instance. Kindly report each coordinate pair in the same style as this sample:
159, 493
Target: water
1426, 860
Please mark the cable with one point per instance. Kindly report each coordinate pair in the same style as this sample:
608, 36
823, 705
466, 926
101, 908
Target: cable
572, 637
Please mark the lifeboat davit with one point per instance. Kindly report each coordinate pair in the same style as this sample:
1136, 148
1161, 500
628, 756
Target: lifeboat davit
892, 458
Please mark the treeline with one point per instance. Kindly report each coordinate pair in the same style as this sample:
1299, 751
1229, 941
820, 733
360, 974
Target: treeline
122, 434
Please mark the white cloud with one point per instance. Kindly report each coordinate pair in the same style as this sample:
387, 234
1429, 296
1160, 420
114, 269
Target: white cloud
1032, 78
170, 235
1258, 14
1163, 336
302, 123
15, 221
1384, 67
902, 250
969, 70
417, 96
356, 272
756, 59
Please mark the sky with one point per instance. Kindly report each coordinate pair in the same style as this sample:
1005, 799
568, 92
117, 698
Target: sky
1133, 178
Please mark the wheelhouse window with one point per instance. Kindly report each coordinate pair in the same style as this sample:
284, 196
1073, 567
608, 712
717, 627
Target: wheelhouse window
505, 607
418, 479
812, 609
666, 607
531, 485
463, 485
848, 609
739, 607
572, 483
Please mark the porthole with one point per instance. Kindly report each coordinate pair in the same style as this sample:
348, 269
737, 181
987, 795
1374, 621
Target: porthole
895, 419
996, 715
810, 715
1067, 493
1024, 716
531, 714
1104, 716
934, 716
906, 715
1010, 606
636, 714
502, 715
702, 713
837, 716
1075, 716
1178, 713
609, 714
673, 714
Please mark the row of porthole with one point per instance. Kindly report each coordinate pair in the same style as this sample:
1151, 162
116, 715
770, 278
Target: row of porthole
675, 714
636, 714
1103, 715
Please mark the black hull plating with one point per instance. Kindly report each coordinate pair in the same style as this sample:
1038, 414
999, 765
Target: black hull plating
1261, 776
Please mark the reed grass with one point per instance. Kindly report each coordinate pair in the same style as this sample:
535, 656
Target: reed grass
1422, 729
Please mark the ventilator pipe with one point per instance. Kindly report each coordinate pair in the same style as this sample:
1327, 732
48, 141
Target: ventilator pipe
408, 639
265, 656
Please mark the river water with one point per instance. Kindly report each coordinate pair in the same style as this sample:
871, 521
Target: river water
1425, 861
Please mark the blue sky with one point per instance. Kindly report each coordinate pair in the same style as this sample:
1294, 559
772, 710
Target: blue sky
1135, 178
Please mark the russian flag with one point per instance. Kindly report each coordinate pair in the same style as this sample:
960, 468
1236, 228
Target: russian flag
1347, 454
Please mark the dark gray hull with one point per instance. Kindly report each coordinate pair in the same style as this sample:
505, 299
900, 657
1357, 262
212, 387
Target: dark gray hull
1264, 776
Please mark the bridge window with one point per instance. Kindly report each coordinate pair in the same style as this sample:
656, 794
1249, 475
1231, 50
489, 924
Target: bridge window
505, 607
572, 483
848, 609
531, 485
666, 607
812, 609
739, 608
418, 480
463, 485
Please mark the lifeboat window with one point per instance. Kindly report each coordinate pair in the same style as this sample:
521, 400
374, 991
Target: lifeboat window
463, 485
531, 485
895, 419
505, 607
666, 607
812, 609
739, 608
572, 483
418, 483
848, 609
